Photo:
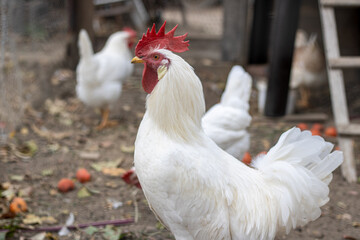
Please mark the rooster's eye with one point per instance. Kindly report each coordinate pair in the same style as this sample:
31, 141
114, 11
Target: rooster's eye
156, 57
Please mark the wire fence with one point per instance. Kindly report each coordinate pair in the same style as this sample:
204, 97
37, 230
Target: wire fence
27, 29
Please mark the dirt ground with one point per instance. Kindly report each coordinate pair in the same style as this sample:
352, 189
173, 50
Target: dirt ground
62, 131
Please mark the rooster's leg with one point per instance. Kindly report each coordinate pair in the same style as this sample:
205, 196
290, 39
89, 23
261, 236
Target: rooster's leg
105, 119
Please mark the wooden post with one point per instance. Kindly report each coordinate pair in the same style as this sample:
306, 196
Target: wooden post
281, 52
235, 31
260, 32
81, 17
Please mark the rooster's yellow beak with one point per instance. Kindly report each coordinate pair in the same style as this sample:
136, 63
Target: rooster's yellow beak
137, 60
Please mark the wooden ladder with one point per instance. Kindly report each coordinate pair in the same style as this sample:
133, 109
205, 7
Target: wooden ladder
335, 64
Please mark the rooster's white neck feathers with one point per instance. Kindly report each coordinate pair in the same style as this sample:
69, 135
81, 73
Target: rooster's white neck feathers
177, 103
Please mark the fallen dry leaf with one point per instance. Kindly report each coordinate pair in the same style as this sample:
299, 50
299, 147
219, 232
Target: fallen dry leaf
83, 193
24, 131
39, 236
25, 192
50, 135
54, 147
126, 108
47, 172
99, 166
106, 144
114, 172
127, 149
53, 192
6, 185
89, 155
356, 224
17, 178
111, 184
8, 193
48, 220
26, 150
31, 219
341, 205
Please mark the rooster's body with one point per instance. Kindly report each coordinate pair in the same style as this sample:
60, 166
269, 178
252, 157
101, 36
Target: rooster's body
201, 192
100, 76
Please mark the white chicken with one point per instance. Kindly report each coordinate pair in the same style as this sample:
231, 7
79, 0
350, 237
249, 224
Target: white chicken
198, 190
226, 122
308, 68
100, 76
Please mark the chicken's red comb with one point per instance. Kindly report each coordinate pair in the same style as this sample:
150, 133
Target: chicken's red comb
131, 31
161, 40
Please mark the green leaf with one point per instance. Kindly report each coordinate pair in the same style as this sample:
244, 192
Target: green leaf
91, 230
83, 193
111, 233
159, 226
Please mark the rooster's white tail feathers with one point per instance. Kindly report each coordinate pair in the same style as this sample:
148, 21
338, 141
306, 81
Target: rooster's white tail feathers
299, 168
84, 44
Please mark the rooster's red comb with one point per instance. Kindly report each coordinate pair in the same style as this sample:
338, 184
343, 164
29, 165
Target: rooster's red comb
161, 40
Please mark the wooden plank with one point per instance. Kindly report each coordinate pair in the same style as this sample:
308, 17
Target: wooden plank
114, 11
337, 88
103, 2
350, 129
235, 31
80, 17
345, 62
307, 117
348, 167
340, 3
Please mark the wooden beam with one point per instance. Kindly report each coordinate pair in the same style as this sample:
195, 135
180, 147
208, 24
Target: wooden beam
234, 43
81, 16
114, 11
350, 129
340, 3
348, 167
307, 117
344, 62
260, 32
337, 88
281, 52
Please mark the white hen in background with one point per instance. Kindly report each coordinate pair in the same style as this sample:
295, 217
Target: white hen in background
308, 68
100, 76
226, 122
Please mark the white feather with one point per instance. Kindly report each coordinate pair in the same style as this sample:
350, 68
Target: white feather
201, 192
100, 76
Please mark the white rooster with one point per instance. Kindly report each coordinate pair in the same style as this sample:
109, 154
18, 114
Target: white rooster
198, 190
100, 76
226, 122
